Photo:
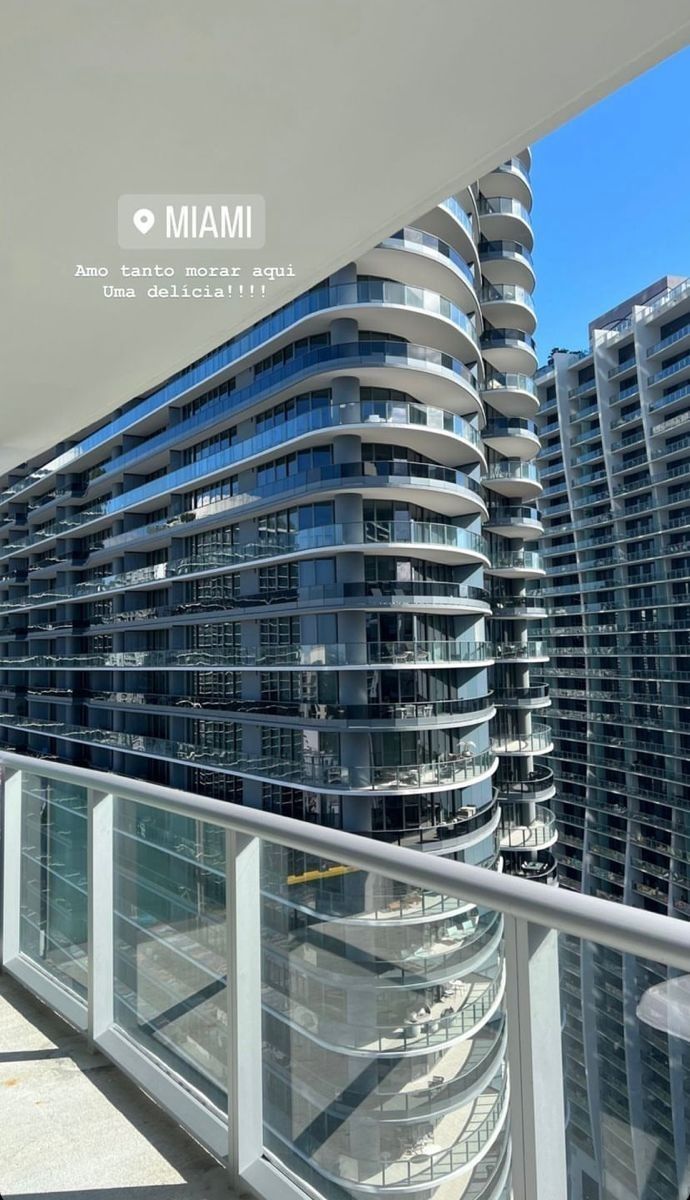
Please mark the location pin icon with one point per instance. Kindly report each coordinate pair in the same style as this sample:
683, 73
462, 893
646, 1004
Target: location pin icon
144, 220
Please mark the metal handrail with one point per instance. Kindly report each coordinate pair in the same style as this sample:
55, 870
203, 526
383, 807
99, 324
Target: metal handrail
629, 930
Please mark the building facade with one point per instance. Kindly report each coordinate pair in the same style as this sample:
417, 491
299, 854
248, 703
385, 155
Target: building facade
615, 464
299, 576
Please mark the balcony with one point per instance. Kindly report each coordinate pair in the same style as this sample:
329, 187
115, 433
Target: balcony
506, 261
513, 478
538, 741
517, 521
534, 696
505, 219
531, 650
510, 350
515, 437
206, 917
517, 564
508, 304
314, 770
513, 395
335, 654
510, 179
524, 828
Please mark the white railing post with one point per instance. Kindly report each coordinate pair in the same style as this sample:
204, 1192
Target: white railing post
534, 1058
100, 901
11, 861
243, 915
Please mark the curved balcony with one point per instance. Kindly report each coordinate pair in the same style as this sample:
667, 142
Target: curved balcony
538, 785
442, 543
457, 1143
539, 741
525, 828
519, 607
534, 696
449, 222
409, 954
527, 651
513, 478
314, 772
402, 594
514, 437
517, 564
467, 1069
507, 261
509, 349
507, 305
416, 714
464, 1006
455, 493
435, 433
515, 521
428, 262
370, 301
511, 395
510, 179
543, 869
504, 219
347, 655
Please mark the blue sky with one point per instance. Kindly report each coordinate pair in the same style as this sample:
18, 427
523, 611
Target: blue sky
612, 202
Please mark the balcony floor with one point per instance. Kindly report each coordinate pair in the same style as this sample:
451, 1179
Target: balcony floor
74, 1128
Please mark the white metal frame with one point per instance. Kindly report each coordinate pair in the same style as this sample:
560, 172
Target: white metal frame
529, 911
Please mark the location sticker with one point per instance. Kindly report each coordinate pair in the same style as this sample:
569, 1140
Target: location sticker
144, 220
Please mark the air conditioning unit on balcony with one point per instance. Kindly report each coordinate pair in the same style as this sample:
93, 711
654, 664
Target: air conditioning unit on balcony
466, 812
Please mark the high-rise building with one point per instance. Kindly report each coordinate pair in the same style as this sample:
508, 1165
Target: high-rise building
615, 463
298, 576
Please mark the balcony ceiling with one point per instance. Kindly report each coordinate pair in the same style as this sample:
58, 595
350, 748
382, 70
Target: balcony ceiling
351, 118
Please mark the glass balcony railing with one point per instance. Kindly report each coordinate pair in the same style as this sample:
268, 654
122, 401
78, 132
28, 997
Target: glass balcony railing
538, 741
410, 238
317, 768
509, 427
501, 205
506, 292
582, 389
526, 827
296, 369
508, 381
327, 478
273, 545
458, 213
518, 560
670, 340
511, 468
201, 909
505, 248
334, 654
538, 784
419, 710
333, 416
491, 338
530, 649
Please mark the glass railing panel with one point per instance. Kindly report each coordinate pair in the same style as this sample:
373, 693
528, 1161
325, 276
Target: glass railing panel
383, 1028
170, 942
631, 1018
53, 930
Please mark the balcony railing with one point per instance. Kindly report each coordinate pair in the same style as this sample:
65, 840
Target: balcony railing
309, 769
169, 926
333, 654
539, 741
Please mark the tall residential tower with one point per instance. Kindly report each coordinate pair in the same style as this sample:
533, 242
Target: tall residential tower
615, 462
299, 576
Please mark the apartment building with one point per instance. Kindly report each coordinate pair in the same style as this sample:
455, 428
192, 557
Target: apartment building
299, 576
615, 464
